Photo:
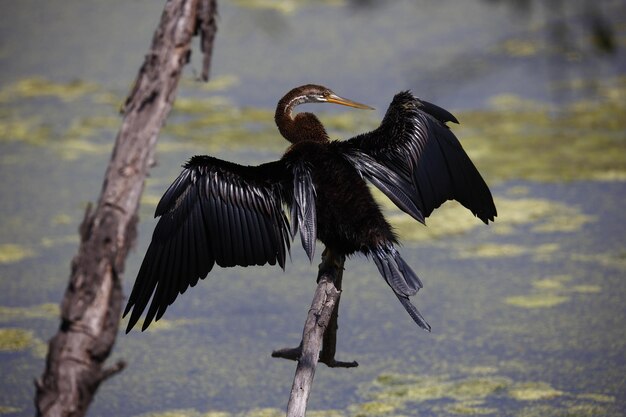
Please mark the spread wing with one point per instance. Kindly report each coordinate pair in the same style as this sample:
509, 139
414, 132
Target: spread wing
214, 212
416, 160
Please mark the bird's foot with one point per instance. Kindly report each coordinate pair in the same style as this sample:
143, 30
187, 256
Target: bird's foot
333, 363
331, 264
294, 354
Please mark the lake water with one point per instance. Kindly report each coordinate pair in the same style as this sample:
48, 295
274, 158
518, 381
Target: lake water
528, 313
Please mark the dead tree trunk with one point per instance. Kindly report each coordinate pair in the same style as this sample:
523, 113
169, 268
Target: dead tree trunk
90, 310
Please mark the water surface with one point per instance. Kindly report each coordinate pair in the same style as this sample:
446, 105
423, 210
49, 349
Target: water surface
527, 313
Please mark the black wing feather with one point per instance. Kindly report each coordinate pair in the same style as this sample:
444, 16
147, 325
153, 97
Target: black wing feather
429, 163
214, 212
303, 214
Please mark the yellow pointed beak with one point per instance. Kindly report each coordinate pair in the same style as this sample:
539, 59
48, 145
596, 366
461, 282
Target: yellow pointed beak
333, 98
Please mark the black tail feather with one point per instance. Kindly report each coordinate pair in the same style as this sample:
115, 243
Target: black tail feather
400, 277
415, 315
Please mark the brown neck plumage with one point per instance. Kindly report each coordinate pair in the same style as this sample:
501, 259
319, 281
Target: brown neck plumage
301, 127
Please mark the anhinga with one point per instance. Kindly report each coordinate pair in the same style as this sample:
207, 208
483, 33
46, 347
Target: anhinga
221, 212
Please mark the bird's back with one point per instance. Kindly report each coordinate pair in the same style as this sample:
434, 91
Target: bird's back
348, 217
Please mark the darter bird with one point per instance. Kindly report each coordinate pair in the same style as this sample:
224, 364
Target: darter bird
219, 212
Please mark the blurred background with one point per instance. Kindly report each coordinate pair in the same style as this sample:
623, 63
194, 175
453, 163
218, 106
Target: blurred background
527, 314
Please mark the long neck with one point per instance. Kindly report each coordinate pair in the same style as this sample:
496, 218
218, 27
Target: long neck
301, 128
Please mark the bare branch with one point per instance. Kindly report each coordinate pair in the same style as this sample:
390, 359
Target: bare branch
321, 320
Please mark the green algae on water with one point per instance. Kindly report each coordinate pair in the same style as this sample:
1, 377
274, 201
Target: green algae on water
372, 408
451, 219
217, 83
533, 391
23, 129
484, 395
598, 397
419, 389
495, 250
551, 291
469, 408
11, 253
536, 300
188, 412
284, 6
35, 87
610, 260
14, 339
168, 324
5, 409
325, 413
41, 311
51, 241
264, 412
523, 140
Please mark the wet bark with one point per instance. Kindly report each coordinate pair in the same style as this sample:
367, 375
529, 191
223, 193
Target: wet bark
91, 306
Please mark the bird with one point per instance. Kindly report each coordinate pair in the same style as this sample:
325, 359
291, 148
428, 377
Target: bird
220, 212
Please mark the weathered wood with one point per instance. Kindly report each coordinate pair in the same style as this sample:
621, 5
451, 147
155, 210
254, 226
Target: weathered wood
322, 306
318, 322
334, 267
207, 26
91, 306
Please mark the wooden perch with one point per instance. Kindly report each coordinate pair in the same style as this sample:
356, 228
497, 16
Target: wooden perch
90, 310
319, 336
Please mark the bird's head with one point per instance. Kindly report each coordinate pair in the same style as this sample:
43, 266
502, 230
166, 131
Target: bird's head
305, 126
312, 93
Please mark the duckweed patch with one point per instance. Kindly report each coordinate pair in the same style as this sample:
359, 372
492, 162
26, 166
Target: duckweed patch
5, 409
11, 253
398, 389
536, 300
520, 47
549, 283
598, 397
23, 129
18, 340
568, 410
35, 87
550, 292
451, 219
61, 218
492, 250
41, 311
51, 241
167, 324
611, 260
325, 413
14, 340
217, 83
283, 6
470, 408
74, 149
372, 408
495, 250
533, 391
522, 140
484, 395
587, 289
188, 412
264, 412
150, 199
